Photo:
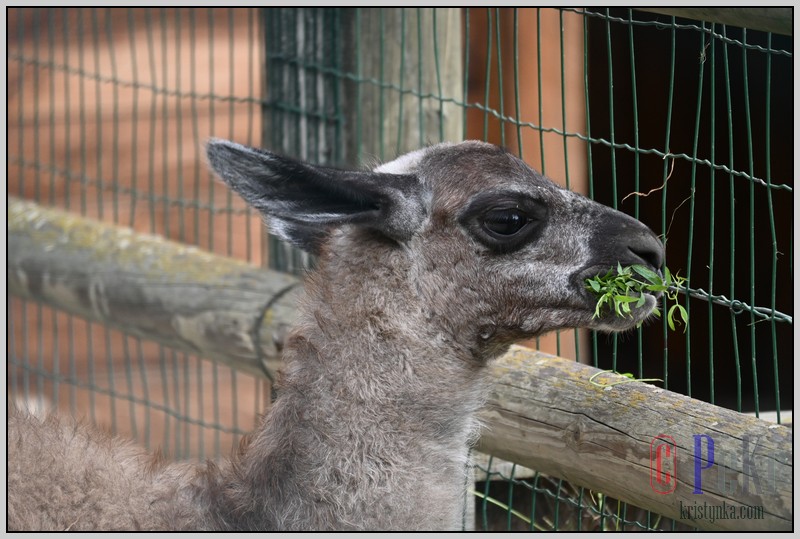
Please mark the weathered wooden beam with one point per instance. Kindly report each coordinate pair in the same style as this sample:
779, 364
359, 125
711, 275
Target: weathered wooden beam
170, 293
546, 414
766, 19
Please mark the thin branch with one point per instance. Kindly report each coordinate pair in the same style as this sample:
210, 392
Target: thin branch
659, 188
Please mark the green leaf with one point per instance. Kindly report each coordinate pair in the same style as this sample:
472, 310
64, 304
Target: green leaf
648, 274
619, 289
670, 314
655, 288
602, 301
684, 316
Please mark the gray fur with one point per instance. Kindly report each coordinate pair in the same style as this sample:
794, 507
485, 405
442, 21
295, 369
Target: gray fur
385, 368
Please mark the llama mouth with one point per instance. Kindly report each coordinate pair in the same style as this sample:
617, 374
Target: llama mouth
596, 270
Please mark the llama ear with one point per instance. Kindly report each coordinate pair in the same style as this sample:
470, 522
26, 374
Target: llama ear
302, 202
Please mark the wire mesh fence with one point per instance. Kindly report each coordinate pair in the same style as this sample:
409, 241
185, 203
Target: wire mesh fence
674, 121
108, 110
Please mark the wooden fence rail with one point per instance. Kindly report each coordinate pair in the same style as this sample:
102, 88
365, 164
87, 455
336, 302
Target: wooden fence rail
167, 292
552, 415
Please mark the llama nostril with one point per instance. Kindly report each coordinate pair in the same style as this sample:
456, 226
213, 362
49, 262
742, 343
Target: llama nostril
625, 240
649, 250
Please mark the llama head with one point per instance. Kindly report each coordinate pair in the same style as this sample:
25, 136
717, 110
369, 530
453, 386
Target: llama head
482, 239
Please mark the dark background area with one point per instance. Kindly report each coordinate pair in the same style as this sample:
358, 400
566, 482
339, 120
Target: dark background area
723, 345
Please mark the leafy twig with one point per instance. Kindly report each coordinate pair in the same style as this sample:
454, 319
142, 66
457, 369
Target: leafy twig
628, 378
626, 287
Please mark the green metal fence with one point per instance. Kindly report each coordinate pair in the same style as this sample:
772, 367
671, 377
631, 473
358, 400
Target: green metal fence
108, 109
677, 122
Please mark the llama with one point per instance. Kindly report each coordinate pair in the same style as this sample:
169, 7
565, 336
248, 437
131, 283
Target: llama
428, 267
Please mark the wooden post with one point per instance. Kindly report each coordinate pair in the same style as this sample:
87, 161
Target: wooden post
407, 68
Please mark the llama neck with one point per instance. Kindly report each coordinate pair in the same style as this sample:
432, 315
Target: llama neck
379, 339
374, 411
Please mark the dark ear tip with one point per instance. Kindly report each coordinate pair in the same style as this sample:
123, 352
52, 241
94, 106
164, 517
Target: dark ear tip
220, 151
215, 150
217, 147
225, 155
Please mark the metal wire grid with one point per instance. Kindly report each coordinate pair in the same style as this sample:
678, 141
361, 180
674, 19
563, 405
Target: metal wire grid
108, 111
717, 54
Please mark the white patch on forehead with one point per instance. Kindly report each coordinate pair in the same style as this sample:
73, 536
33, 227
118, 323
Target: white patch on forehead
403, 164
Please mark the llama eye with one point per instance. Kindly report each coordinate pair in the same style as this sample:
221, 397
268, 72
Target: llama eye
505, 222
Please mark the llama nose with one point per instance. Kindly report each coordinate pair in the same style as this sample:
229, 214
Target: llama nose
628, 241
647, 248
